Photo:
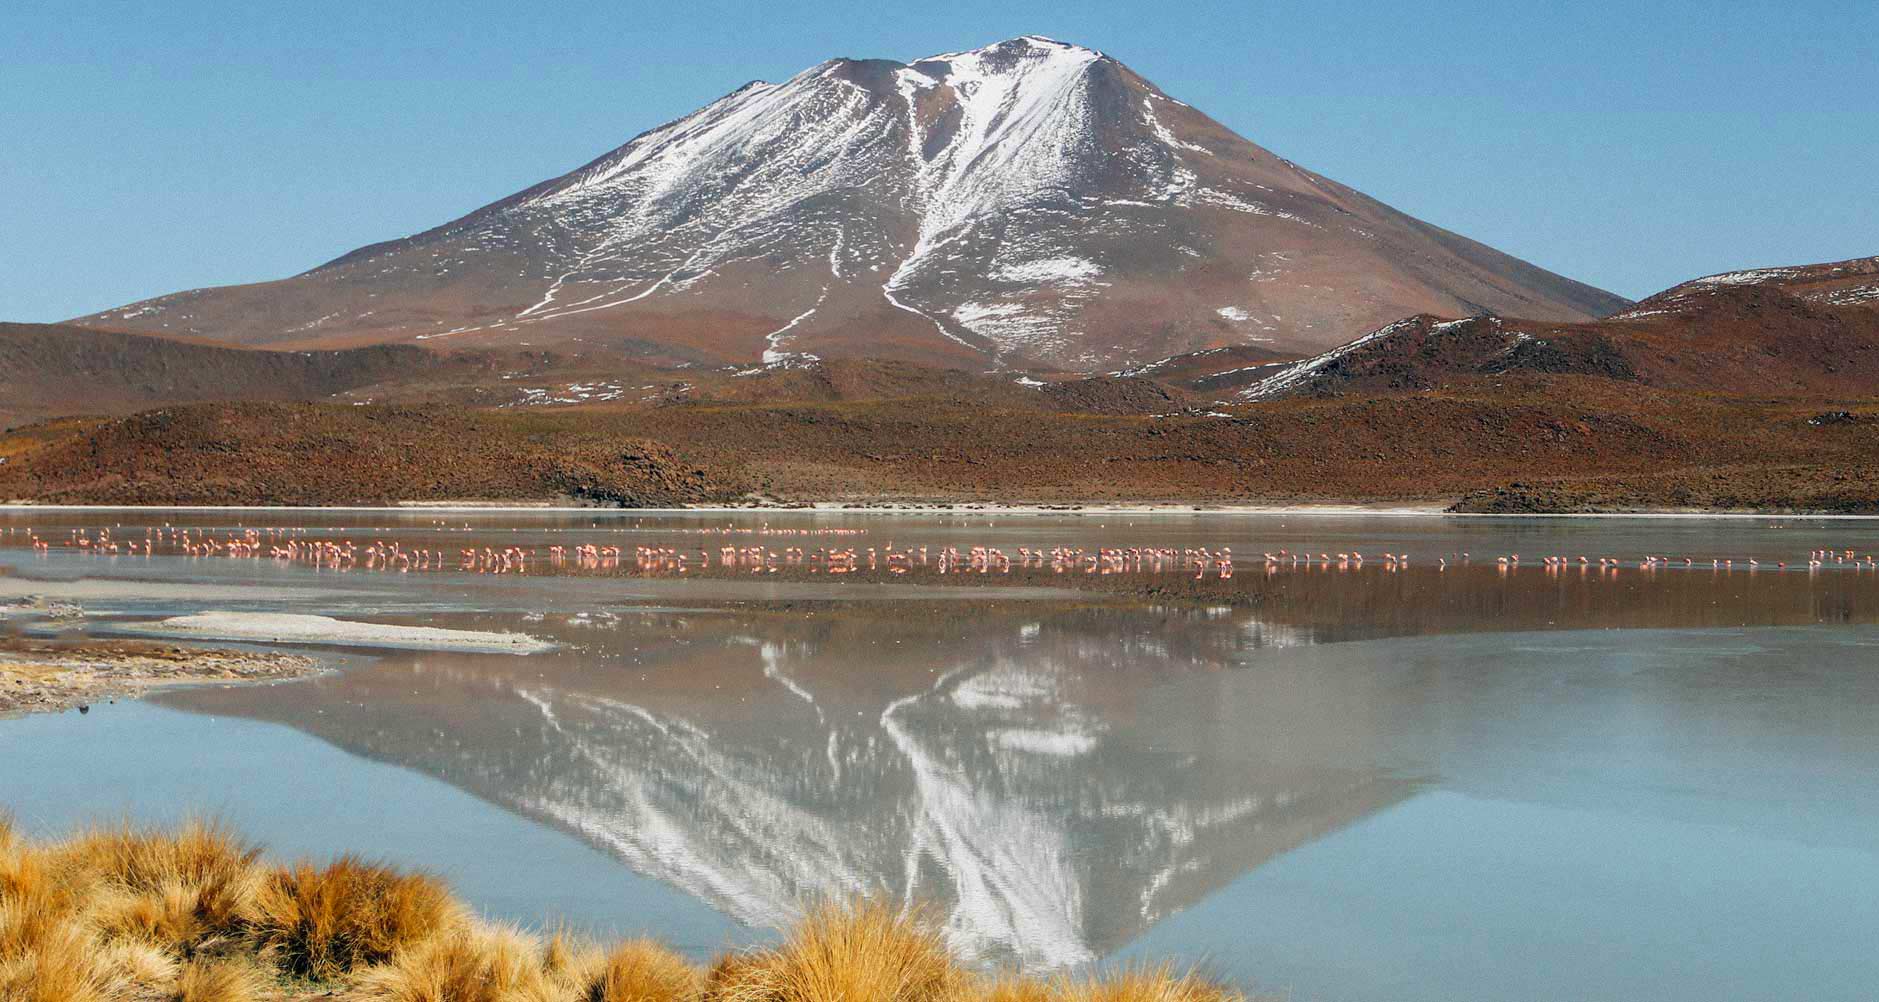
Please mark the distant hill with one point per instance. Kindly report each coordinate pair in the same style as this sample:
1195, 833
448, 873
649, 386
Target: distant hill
53, 369
1803, 331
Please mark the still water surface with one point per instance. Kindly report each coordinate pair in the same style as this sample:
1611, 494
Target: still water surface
1354, 783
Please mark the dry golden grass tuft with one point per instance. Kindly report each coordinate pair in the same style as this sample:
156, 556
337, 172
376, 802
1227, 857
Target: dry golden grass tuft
230, 980
139, 915
571, 964
837, 954
1014, 989
645, 971
58, 964
31, 898
320, 922
46, 952
199, 854
189, 891
143, 965
466, 964
729, 969
126, 915
1144, 984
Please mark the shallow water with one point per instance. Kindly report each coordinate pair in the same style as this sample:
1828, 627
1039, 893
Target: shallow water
1341, 782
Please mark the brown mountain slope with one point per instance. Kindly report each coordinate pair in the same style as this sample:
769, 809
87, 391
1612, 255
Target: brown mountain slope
55, 370
49, 371
1794, 332
1854, 282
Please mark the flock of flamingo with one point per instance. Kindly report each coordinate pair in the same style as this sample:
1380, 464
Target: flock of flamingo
942, 560
295, 545
1351, 560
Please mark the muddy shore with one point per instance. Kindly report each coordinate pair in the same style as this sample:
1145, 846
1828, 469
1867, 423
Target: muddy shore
51, 675
1547, 446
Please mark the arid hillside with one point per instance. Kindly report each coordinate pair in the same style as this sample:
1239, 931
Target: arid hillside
1538, 441
52, 370
1752, 391
1734, 337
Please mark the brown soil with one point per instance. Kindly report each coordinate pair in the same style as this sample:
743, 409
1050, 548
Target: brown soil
53, 369
38, 676
315, 454
1569, 434
1849, 490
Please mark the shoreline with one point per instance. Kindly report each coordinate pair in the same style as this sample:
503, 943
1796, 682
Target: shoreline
311, 630
1303, 510
44, 675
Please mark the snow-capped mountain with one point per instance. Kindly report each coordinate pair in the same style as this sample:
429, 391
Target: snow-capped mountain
1031, 202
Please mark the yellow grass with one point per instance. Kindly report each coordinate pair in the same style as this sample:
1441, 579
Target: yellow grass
469, 964
1145, 984
321, 922
1013, 989
189, 891
46, 952
644, 971
867, 951
196, 915
222, 981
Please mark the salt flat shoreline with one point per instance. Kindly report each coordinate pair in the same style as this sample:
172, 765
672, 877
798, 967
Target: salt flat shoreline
294, 628
1393, 510
47, 676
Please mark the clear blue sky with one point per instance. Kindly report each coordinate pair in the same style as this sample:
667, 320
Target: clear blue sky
151, 147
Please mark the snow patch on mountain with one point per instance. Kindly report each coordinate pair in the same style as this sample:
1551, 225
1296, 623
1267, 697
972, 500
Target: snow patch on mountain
1163, 133
1854, 296
1756, 276
1055, 269
1297, 373
774, 354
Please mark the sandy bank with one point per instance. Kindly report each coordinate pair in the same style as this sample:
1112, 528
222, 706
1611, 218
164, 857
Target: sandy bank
34, 592
1422, 509
290, 628
39, 676
816, 507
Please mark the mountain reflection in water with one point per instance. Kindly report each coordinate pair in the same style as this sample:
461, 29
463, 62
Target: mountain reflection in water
1655, 778
1045, 775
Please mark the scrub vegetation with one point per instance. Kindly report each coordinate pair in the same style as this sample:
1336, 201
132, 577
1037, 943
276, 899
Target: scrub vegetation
196, 914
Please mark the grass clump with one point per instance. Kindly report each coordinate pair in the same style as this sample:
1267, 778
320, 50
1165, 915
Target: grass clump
644, 971
846, 954
47, 954
1145, 984
321, 922
1015, 989
225, 980
189, 891
196, 915
468, 964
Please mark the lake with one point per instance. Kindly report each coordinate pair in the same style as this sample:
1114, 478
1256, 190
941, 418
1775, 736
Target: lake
1095, 738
